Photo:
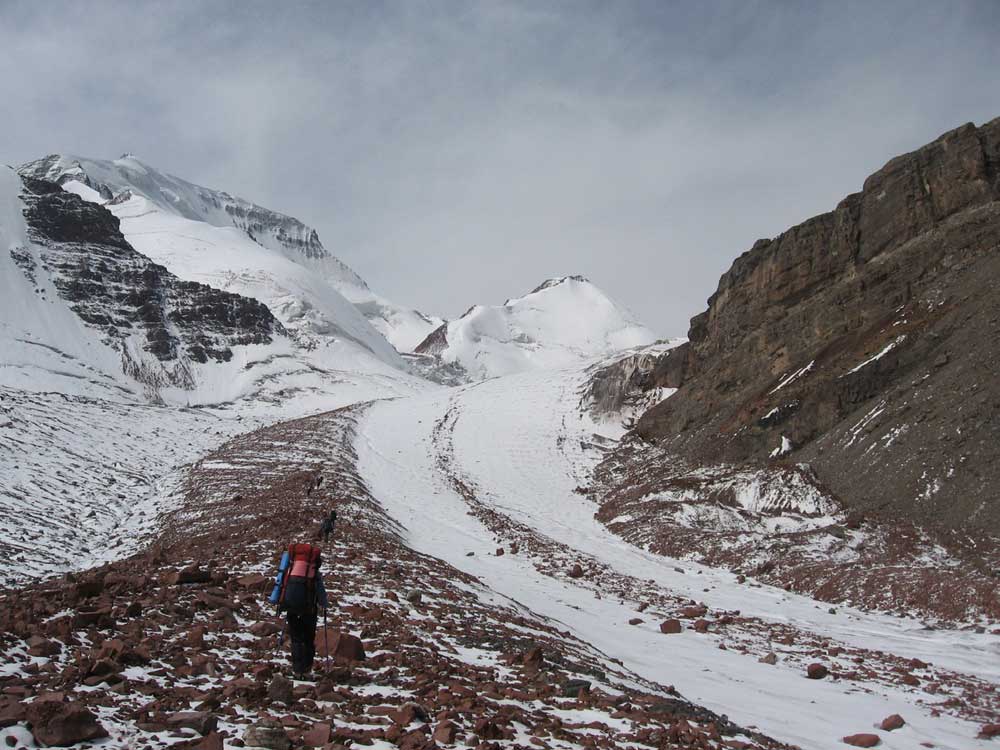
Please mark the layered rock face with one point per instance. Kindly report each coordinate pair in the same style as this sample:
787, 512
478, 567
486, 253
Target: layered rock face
120, 291
863, 342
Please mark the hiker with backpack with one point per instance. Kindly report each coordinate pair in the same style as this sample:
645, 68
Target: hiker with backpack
299, 593
328, 526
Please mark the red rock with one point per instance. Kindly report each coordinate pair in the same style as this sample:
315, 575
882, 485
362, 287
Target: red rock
863, 740
701, 626
61, 724
909, 679
816, 671
252, 581
500, 551
698, 610
635, 621
445, 733
989, 731
671, 626
264, 628
11, 712
318, 736
533, 657
576, 571
487, 730
201, 722
38, 646
341, 645
194, 574
196, 636
890, 723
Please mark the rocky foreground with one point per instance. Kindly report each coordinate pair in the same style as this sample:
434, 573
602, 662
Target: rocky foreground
176, 646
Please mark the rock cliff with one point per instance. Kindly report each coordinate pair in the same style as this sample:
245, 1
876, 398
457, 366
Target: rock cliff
121, 292
862, 342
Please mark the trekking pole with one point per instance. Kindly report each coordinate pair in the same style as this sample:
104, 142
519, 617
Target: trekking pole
326, 641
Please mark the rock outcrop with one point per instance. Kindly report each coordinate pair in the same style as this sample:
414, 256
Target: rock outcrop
119, 291
862, 342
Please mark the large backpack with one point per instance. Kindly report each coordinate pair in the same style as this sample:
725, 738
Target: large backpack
295, 586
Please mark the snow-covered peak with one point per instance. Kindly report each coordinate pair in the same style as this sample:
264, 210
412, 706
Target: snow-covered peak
271, 229
129, 180
562, 322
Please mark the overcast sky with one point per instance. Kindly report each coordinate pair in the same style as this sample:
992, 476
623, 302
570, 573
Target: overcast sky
457, 153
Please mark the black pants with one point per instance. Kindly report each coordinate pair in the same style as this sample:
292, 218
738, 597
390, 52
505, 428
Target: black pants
302, 633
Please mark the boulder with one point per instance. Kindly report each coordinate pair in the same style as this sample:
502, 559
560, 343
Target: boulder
445, 733
889, 723
989, 731
670, 626
38, 646
573, 688
487, 730
533, 657
193, 574
816, 671
267, 733
201, 722
59, 724
343, 646
254, 581
281, 690
693, 611
318, 736
863, 740
264, 628
12, 711
576, 571
635, 621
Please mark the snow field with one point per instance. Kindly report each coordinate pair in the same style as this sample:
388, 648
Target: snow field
520, 442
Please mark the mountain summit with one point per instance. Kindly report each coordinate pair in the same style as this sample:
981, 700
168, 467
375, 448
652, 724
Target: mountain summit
561, 322
188, 228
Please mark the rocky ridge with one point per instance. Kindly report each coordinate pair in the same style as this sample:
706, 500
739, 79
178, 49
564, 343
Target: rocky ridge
861, 343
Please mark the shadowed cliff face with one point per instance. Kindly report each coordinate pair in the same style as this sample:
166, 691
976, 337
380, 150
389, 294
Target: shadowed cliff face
120, 291
863, 342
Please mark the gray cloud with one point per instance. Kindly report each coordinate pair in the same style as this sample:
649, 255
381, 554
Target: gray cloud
456, 153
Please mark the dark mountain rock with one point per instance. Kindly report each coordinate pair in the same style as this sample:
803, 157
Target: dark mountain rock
862, 342
436, 341
114, 288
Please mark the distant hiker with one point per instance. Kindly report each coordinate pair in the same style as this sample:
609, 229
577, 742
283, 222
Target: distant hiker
328, 525
300, 593
314, 483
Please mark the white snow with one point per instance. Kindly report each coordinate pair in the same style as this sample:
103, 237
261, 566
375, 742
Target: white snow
888, 348
520, 442
564, 322
311, 283
788, 380
781, 450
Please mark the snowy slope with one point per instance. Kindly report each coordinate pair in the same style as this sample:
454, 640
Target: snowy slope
82, 448
498, 463
280, 249
563, 322
403, 327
